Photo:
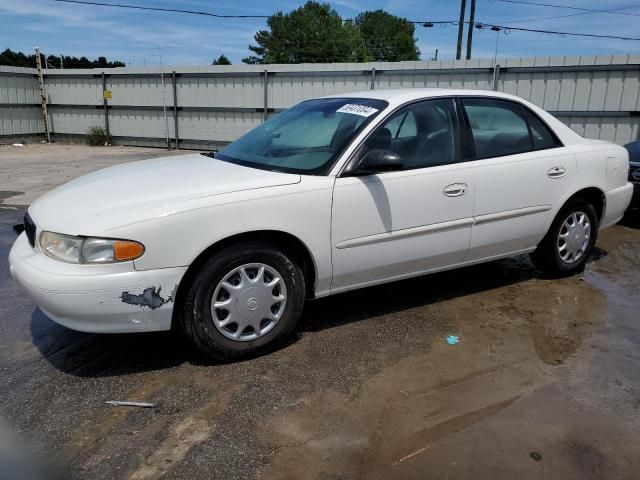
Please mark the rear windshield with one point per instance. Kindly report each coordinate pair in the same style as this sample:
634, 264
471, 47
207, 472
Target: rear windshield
307, 138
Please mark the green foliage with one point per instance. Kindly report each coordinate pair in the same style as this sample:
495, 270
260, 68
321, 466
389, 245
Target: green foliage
98, 137
387, 37
221, 60
19, 59
315, 33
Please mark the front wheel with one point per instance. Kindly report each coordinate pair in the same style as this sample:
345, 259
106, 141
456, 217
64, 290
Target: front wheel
245, 300
566, 247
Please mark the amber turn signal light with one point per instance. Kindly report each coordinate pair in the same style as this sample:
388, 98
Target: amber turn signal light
124, 250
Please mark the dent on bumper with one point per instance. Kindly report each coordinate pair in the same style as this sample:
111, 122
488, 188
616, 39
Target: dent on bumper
123, 301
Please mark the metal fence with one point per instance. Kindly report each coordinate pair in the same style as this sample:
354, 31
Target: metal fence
190, 107
20, 108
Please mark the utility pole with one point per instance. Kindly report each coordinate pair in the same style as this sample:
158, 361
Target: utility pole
43, 96
164, 101
496, 67
472, 15
495, 55
463, 6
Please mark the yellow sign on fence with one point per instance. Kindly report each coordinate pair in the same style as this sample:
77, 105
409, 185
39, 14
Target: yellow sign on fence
106, 94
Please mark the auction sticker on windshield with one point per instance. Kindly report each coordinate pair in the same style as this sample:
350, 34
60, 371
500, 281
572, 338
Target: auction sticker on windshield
355, 109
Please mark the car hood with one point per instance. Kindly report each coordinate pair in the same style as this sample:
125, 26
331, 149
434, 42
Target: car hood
135, 191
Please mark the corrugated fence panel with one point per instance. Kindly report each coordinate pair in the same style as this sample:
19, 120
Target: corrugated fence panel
20, 121
616, 129
74, 120
135, 91
217, 104
20, 113
140, 123
217, 127
73, 90
243, 92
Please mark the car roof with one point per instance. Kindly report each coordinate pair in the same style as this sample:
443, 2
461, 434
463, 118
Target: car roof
402, 95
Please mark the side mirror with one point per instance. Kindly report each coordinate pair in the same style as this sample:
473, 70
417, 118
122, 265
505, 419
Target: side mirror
379, 160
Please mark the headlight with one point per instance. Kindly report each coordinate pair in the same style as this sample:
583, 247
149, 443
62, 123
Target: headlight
89, 250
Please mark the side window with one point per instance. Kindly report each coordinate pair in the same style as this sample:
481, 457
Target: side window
403, 125
499, 128
424, 134
543, 137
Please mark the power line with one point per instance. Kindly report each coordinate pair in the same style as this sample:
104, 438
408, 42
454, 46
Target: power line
534, 30
614, 11
565, 16
421, 22
568, 34
550, 18
159, 9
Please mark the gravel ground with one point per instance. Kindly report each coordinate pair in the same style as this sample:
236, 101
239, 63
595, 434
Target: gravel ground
34, 169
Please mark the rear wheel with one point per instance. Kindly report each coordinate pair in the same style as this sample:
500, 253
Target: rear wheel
245, 300
566, 247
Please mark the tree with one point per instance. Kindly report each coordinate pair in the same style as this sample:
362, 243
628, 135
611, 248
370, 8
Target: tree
19, 59
16, 59
313, 33
221, 60
388, 38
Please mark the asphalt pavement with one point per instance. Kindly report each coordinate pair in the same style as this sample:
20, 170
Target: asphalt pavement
543, 382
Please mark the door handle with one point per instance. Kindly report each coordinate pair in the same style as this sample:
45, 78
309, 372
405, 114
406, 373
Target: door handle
556, 172
455, 189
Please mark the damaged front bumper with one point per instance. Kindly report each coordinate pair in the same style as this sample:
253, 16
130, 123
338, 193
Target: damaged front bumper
96, 298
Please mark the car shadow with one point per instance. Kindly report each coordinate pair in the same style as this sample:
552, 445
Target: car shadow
89, 354
103, 355
631, 218
416, 292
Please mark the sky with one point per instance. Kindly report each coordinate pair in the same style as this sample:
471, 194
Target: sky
142, 38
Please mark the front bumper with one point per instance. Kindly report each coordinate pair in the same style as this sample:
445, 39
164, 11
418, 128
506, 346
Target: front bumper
103, 299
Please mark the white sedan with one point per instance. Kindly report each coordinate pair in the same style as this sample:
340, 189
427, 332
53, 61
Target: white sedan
334, 194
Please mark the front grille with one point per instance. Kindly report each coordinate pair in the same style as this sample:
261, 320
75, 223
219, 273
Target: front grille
634, 173
30, 229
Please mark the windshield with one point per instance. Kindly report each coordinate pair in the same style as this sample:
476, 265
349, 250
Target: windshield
307, 138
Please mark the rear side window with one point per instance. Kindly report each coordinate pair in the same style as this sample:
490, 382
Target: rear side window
498, 128
542, 136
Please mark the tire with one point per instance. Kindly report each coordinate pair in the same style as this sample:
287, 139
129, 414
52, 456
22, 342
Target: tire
548, 258
205, 326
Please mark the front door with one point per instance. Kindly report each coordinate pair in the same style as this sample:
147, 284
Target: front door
396, 224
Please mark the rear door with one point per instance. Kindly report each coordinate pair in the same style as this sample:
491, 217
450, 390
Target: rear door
521, 171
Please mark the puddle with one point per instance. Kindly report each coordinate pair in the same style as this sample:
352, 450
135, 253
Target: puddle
513, 336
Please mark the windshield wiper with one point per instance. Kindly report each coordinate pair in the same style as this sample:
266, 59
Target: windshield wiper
208, 154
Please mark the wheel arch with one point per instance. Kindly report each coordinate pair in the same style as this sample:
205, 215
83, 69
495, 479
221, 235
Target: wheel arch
592, 194
595, 196
288, 242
